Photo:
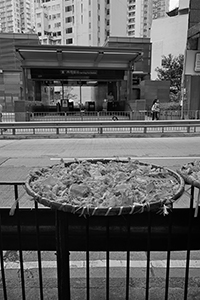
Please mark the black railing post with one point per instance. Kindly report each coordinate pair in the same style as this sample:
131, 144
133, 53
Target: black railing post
3, 279
20, 242
87, 260
168, 253
128, 258
63, 263
107, 259
148, 254
191, 216
38, 251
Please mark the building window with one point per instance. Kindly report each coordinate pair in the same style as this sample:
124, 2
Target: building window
68, 20
69, 30
57, 24
69, 41
68, 8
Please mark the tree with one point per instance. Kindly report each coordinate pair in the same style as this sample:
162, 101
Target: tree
171, 69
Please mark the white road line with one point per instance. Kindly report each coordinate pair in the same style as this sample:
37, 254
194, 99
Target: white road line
102, 264
132, 157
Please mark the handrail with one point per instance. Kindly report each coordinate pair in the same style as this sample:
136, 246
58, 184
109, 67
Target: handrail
98, 236
100, 123
99, 126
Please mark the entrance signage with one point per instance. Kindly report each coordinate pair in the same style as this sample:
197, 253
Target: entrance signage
77, 74
192, 62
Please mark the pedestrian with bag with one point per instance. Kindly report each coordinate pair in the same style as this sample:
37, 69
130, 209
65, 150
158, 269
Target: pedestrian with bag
155, 109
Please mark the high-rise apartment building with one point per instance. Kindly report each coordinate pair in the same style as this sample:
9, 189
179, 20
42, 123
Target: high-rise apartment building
16, 16
141, 13
139, 18
87, 22
79, 22
159, 8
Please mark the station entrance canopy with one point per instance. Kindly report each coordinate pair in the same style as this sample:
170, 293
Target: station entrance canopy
52, 65
77, 57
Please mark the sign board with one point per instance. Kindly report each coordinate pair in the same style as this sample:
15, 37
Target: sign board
192, 62
75, 74
197, 62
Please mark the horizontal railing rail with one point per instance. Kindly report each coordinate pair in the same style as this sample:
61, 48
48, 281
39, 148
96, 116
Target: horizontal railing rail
165, 114
118, 231
42, 229
99, 127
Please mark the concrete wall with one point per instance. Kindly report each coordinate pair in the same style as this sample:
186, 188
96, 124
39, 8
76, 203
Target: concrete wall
154, 89
192, 82
168, 36
10, 68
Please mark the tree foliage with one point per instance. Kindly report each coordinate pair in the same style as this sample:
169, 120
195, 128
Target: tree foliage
171, 69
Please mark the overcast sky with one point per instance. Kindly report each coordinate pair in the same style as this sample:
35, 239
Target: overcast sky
173, 3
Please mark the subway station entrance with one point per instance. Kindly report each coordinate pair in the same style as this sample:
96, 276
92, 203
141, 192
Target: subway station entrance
77, 77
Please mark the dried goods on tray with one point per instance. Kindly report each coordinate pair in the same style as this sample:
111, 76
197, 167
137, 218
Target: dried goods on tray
105, 187
191, 173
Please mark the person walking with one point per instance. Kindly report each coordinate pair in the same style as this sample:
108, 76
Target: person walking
155, 109
1, 112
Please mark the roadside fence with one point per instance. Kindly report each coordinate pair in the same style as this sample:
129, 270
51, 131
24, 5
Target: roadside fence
42, 229
101, 115
98, 128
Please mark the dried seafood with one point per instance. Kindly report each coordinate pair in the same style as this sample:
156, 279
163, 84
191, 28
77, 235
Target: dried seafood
102, 184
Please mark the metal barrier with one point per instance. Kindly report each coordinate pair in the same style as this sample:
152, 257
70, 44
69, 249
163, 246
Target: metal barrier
103, 115
63, 128
42, 229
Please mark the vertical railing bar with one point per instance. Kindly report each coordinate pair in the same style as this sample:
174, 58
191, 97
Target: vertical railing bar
2, 266
168, 256
188, 243
107, 258
20, 243
87, 260
148, 255
63, 261
39, 252
128, 258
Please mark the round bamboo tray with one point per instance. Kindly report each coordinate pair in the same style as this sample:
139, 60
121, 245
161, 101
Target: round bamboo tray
158, 206
189, 173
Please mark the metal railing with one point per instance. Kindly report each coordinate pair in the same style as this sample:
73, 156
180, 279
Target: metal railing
121, 115
102, 115
98, 128
41, 229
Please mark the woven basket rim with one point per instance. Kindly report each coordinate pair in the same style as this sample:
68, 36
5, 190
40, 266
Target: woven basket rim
189, 180
109, 211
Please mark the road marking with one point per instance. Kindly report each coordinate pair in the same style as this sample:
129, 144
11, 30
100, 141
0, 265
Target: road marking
102, 264
132, 157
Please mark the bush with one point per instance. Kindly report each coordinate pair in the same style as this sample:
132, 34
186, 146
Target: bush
170, 106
